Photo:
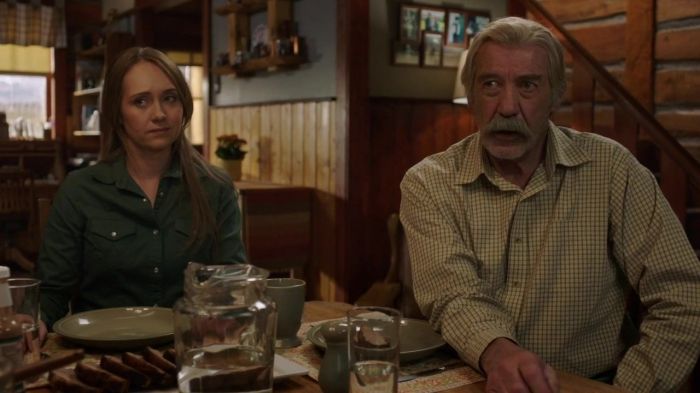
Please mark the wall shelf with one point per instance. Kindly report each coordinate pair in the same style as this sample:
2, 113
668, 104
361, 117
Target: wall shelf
270, 63
279, 31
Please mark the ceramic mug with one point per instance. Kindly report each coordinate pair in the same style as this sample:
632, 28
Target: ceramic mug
289, 295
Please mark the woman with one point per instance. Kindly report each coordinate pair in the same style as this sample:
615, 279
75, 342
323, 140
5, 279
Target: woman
121, 232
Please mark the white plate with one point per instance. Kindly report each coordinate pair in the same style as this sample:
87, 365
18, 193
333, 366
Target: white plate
120, 328
285, 368
417, 339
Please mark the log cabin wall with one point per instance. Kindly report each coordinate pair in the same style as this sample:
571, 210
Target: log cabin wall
403, 131
293, 144
603, 27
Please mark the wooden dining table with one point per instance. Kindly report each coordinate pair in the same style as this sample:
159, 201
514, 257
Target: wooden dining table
315, 311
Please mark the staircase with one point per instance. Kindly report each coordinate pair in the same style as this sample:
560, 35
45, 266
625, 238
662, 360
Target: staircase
633, 124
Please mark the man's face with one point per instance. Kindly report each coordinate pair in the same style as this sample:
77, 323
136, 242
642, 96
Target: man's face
512, 101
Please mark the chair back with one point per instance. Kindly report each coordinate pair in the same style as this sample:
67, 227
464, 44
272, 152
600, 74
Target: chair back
407, 301
16, 195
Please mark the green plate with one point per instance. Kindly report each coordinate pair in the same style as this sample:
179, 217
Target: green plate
120, 328
417, 339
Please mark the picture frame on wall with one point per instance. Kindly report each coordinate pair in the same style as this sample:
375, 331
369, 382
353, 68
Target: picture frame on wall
476, 23
406, 53
432, 20
456, 29
409, 23
450, 56
432, 49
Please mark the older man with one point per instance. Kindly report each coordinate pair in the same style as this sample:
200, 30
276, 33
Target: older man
526, 238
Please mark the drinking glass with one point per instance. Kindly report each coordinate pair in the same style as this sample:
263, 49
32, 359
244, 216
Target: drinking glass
288, 294
25, 302
373, 349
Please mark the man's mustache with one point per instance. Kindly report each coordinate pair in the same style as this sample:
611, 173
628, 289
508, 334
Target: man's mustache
500, 123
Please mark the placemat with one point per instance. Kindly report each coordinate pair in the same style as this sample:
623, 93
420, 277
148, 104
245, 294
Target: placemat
456, 375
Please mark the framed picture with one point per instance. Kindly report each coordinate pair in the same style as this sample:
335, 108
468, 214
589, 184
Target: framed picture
450, 56
406, 53
409, 23
432, 49
476, 23
432, 20
456, 29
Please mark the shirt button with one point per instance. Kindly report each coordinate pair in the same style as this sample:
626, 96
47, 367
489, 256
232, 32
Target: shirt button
155, 232
144, 200
160, 193
516, 284
518, 239
156, 270
114, 234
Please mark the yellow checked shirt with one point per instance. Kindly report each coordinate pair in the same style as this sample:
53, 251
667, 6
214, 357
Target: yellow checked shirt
548, 266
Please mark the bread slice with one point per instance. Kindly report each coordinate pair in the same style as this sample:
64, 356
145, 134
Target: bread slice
137, 379
65, 380
158, 376
157, 359
169, 354
96, 376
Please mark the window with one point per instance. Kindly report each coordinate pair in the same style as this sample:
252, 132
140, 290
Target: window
25, 74
190, 66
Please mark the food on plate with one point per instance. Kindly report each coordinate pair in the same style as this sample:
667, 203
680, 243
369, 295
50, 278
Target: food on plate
93, 375
137, 379
158, 376
158, 359
66, 381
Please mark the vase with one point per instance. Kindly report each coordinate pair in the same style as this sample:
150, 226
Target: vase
233, 168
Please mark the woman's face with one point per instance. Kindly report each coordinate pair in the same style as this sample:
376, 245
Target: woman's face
151, 110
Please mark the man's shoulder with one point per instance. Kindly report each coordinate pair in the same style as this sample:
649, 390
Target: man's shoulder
599, 148
445, 164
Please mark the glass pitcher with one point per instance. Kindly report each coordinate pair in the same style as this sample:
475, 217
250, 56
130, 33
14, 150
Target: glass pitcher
225, 330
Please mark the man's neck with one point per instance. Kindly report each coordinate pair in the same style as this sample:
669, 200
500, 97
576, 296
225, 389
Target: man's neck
514, 171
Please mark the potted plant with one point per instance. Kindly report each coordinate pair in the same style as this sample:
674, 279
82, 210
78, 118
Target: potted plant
231, 153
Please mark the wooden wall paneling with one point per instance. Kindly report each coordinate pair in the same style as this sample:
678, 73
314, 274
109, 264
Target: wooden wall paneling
676, 9
298, 138
582, 98
674, 184
286, 143
678, 44
324, 207
562, 116
310, 144
275, 143
244, 132
600, 94
265, 143
677, 85
639, 56
253, 144
604, 119
606, 42
575, 10
681, 123
625, 129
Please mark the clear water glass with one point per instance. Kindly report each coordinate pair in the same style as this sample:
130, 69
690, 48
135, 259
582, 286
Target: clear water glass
373, 349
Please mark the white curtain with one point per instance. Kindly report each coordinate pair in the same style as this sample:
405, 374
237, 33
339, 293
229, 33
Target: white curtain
32, 23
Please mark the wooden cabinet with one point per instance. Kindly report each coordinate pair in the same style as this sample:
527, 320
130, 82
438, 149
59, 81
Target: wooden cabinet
284, 47
91, 67
276, 225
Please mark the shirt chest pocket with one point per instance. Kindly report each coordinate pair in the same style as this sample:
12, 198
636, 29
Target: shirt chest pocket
109, 240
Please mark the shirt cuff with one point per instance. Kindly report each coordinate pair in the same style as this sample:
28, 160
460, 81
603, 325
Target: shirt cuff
472, 350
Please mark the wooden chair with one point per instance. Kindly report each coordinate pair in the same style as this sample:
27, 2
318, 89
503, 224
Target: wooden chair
407, 301
17, 211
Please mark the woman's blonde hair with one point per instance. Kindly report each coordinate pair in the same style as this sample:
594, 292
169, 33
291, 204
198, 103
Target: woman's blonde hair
518, 31
191, 162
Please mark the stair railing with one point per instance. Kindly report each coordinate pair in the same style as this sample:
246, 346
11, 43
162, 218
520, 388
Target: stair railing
677, 166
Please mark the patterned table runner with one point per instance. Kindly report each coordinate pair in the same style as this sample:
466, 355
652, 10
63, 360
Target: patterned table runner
457, 373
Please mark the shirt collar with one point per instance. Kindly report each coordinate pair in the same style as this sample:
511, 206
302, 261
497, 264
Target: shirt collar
114, 172
560, 150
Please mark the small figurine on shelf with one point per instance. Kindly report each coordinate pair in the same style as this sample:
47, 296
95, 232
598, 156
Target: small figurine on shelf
231, 153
